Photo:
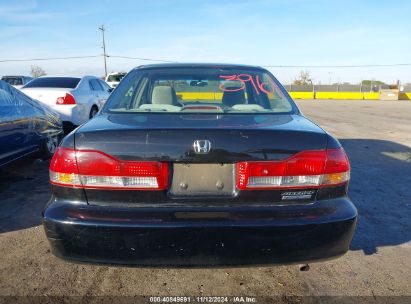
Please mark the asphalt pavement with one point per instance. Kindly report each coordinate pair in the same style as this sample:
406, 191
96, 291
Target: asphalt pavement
377, 138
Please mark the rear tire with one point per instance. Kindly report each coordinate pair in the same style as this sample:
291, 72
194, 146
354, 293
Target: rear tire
48, 146
93, 111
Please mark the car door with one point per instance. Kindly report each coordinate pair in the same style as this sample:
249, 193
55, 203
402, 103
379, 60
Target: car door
97, 90
31, 113
94, 90
13, 127
106, 90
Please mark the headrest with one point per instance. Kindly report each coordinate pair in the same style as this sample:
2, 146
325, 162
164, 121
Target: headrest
164, 95
231, 98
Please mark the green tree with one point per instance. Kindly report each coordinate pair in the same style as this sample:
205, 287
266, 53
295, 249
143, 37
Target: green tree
369, 82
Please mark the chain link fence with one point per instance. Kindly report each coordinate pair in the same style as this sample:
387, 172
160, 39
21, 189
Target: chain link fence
337, 88
350, 91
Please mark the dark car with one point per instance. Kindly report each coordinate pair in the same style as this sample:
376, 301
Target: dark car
226, 173
26, 126
17, 81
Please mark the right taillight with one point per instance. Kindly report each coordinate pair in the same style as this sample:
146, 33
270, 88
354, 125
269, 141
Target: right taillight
305, 169
66, 100
337, 167
95, 169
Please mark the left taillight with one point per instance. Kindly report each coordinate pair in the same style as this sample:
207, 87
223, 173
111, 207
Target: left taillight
95, 169
305, 169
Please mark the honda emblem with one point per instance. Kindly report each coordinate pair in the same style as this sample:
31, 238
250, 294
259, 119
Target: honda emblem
202, 146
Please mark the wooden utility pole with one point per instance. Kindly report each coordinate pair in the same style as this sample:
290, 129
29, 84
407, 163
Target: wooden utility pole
102, 29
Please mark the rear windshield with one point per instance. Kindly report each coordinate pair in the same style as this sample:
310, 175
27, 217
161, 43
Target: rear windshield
188, 90
53, 82
13, 80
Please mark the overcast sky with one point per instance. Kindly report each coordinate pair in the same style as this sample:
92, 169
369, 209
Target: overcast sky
278, 32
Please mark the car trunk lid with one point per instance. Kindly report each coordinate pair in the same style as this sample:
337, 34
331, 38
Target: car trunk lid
195, 175
169, 138
46, 96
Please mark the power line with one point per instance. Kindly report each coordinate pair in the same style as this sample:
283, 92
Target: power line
81, 57
163, 60
338, 66
49, 58
144, 59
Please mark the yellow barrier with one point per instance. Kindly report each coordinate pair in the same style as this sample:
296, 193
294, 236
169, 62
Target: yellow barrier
339, 95
217, 96
405, 96
371, 96
302, 95
196, 95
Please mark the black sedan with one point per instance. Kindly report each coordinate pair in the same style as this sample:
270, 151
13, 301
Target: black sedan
199, 164
26, 126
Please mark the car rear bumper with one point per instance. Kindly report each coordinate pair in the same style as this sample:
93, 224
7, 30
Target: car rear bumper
195, 236
76, 114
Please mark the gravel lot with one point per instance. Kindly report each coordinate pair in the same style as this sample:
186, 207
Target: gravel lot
377, 137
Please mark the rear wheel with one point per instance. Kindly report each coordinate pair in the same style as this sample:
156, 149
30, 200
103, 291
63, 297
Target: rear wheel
93, 112
49, 146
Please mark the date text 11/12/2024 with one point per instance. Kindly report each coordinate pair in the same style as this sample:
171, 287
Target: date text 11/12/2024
203, 299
